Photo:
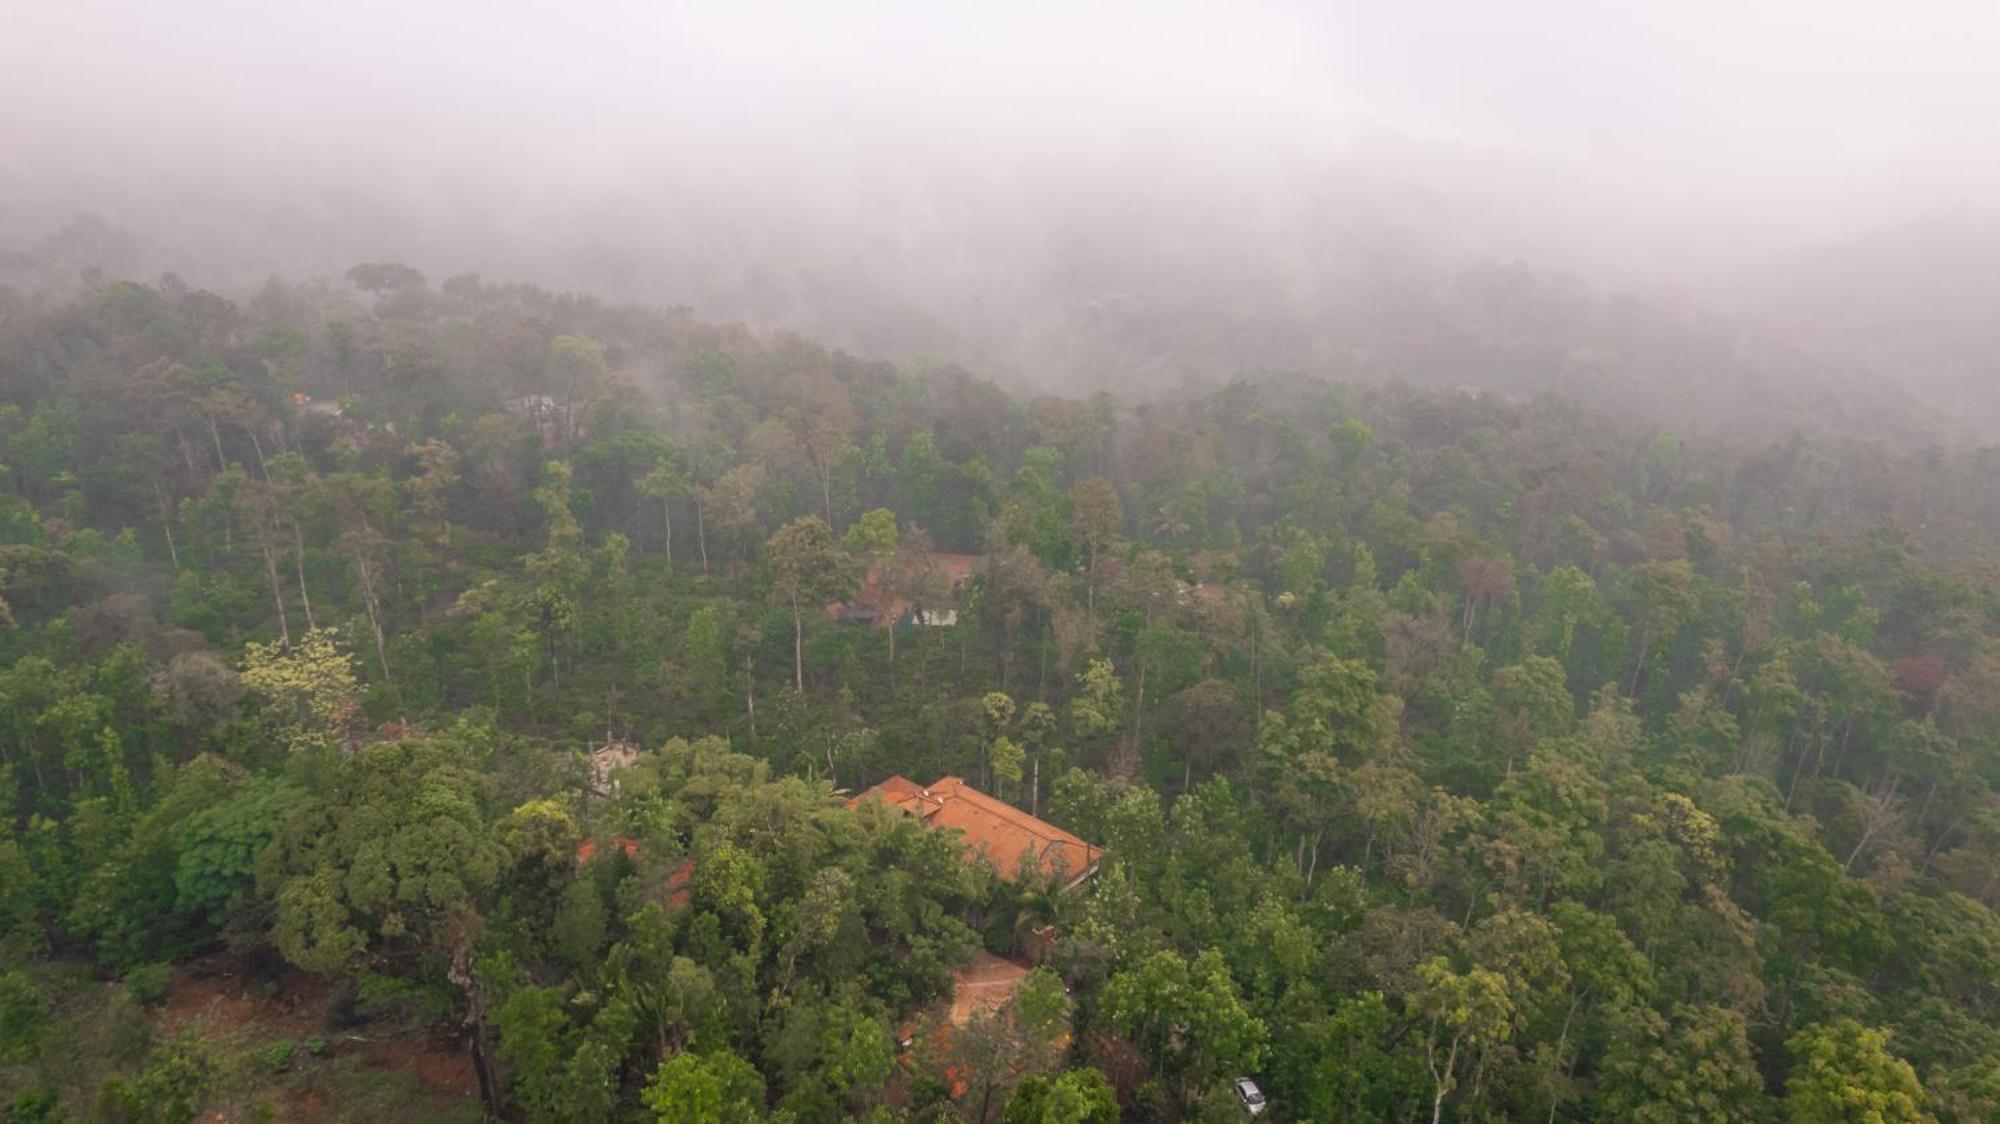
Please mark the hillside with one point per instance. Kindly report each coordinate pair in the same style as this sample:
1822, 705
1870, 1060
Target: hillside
1460, 745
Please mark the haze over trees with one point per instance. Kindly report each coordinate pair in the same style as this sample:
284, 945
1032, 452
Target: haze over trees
1480, 527
1454, 757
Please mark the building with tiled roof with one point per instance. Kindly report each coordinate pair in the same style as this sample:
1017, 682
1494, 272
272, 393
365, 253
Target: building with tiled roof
990, 829
874, 606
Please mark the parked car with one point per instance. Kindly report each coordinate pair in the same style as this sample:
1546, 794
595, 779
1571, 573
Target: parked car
1251, 1096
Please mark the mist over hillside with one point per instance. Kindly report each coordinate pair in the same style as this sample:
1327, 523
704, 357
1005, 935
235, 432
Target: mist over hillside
1152, 274
1765, 229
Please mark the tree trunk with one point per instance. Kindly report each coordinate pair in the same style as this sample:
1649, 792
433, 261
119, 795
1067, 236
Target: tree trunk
1090, 596
750, 695
187, 451
798, 647
167, 524
1441, 1081
667, 516
1042, 674
299, 563
215, 435
1138, 709
277, 594
1645, 642
258, 446
490, 1085
1256, 672
701, 535
374, 617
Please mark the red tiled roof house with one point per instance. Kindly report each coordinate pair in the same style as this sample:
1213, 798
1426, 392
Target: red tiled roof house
990, 829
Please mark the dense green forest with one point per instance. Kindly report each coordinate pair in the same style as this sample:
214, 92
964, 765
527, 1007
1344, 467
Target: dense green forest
1455, 757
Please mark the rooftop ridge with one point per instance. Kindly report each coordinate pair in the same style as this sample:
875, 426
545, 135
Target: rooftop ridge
1032, 824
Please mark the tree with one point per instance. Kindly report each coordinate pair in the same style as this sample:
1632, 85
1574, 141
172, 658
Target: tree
731, 503
1099, 518
393, 860
1469, 1013
397, 852
873, 544
1077, 1096
306, 691
1212, 727
1666, 599
718, 1086
808, 567
663, 483
1186, 1017
576, 363
1097, 710
812, 432
995, 1051
1696, 1065
1843, 1071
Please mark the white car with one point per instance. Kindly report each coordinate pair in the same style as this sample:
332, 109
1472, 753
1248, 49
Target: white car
1251, 1096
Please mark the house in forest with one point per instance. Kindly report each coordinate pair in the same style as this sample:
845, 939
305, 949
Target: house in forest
878, 606
605, 761
993, 830
308, 406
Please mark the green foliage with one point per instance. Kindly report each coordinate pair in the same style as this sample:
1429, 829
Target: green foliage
24, 1014
168, 1091
396, 851
1189, 1015
218, 847
1078, 1096
147, 983
1449, 756
718, 1087
307, 689
1844, 1071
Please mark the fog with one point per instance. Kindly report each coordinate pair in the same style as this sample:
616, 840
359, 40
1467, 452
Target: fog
1080, 195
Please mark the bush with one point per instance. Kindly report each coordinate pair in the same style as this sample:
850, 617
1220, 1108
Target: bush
24, 1014
34, 1108
168, 1092
279, 1054
148, 983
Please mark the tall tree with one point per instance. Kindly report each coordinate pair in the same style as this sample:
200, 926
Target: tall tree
808, 568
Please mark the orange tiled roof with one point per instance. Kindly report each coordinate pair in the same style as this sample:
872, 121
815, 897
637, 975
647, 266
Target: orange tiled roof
587, 850
1002, 833
677, 879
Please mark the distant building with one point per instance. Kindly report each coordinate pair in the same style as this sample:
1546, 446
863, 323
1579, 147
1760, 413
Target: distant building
317, 407
994, 830
605, 761
875, 606
534, 407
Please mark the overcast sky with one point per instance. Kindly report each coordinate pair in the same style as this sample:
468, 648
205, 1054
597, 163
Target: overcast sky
1815, 82
1814, 113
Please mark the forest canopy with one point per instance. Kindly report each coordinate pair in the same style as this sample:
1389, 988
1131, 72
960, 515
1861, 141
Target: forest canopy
471, 678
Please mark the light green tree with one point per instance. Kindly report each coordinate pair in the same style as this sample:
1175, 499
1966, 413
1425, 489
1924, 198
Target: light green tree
307, 693
1845, 1072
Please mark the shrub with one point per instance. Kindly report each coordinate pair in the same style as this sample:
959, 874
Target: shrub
24, 1014
148, 983
279, 1054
